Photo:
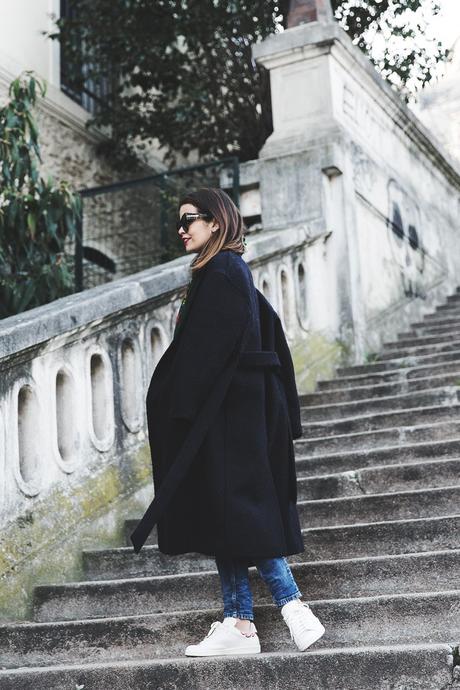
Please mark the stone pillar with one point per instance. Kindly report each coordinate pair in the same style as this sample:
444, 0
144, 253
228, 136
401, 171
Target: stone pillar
351, 166
305, 173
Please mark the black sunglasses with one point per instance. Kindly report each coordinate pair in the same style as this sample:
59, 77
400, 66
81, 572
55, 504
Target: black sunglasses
188, 218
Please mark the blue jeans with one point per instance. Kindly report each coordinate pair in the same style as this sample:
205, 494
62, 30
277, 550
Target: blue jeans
236, 590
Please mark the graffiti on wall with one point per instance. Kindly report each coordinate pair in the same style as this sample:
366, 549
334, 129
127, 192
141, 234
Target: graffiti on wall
408, 254
364, 170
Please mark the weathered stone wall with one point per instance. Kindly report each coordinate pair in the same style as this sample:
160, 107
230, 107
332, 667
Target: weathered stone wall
349, 162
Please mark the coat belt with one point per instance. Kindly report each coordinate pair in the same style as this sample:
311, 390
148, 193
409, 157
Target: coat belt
259, 358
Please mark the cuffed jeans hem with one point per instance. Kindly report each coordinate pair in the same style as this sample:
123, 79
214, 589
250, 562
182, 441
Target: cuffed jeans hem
236, 614
285, 600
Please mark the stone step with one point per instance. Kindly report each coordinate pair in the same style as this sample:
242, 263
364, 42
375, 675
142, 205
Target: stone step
336, 403
400, 349
448, 410
380, 538
396, 505
327, 463
321, 543
392, 436
399, 366
447, 326
432, 324
420, 666
371, 480
416, 341
443, 311
453, 299
447, 308
437, 319
121, 562
430, 617
411, 379
359, 577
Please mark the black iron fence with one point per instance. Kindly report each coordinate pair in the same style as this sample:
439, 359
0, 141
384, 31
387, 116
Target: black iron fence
130, 226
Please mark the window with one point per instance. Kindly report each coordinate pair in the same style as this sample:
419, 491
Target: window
88, 93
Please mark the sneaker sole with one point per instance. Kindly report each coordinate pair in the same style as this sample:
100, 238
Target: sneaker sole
223, 652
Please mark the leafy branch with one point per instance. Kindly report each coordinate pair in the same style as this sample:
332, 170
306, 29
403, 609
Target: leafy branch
37, 216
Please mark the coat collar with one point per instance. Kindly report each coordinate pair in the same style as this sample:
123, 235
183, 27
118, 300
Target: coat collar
192, 293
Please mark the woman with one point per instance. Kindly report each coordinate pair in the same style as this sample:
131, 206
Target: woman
222, 411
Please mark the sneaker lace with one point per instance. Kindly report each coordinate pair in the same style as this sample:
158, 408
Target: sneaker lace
297, 615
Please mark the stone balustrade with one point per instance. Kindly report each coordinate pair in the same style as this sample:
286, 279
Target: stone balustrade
74, 377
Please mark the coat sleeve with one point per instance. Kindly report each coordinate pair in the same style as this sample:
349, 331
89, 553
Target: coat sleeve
216, 325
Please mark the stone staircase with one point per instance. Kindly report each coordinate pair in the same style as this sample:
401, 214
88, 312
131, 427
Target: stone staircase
379, 501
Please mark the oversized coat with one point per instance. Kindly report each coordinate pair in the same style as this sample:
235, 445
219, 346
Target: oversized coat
222, 413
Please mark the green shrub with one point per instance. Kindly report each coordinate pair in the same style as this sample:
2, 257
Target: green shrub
37, 216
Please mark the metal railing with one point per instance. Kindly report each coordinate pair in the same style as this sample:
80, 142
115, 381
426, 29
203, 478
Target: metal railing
129, 226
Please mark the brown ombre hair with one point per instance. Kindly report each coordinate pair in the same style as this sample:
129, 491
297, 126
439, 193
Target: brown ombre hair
222, 208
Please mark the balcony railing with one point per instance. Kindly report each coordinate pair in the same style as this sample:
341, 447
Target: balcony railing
129, 226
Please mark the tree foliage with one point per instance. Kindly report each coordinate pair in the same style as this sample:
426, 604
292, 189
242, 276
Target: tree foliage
36, 216
181, 71
408, 56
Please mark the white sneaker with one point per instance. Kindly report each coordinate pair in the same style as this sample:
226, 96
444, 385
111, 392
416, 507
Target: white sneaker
304, 626
225, 638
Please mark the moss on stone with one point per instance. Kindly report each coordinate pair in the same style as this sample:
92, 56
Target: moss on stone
142, 465
44, 544
316, 357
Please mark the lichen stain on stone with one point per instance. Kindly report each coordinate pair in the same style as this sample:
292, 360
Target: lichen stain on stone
46, 547
315, 357
142, 465
102, 490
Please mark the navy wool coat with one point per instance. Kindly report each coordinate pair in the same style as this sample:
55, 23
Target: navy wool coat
222, 413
